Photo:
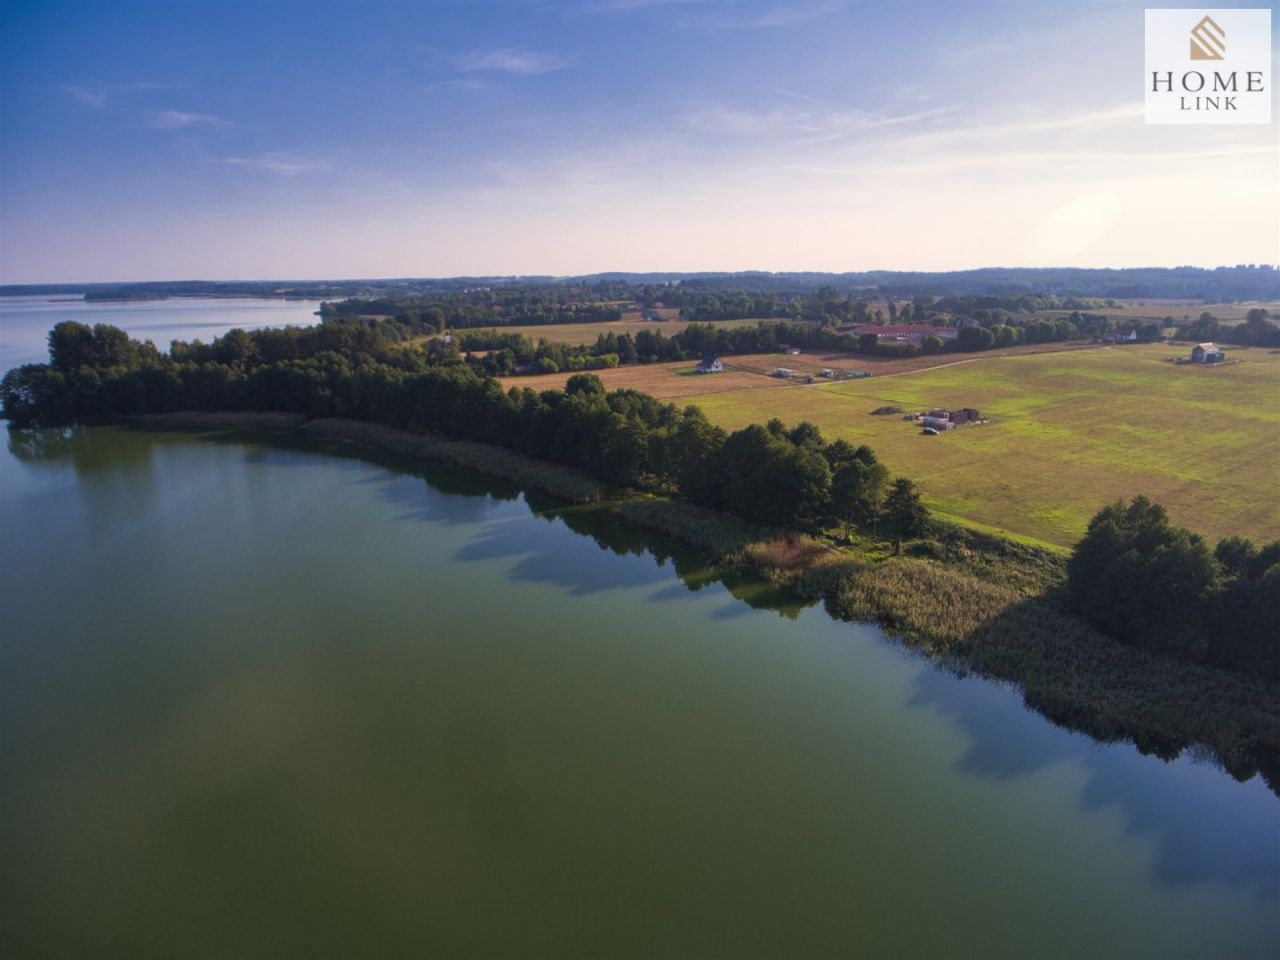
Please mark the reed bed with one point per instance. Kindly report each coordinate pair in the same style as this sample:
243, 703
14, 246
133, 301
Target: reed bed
224, 420
562, 482
720, 536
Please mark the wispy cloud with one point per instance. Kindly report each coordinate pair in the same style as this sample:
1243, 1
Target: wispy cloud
810, 124
1091, 122
768, 16
282, 163
623, 6
180, 119
97, 95
1086, 143
458, 83
992, 47
730, 14
511, 60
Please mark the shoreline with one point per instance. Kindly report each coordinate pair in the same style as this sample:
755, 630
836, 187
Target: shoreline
562, 482
970, 603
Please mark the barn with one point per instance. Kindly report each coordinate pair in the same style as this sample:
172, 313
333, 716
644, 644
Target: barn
1206, 353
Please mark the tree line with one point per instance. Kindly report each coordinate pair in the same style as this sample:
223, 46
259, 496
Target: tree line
772, 474
1258, 329
499, 353
1241, 282
1150, 584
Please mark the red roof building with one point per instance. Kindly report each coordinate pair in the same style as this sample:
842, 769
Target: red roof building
910, 332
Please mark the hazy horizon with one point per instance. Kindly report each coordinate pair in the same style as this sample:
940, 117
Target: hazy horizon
389, 139
342, 278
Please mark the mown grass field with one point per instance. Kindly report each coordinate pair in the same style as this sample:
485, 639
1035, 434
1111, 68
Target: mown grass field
576, 333
1071, 431
672, 381
1157, 309
751, 371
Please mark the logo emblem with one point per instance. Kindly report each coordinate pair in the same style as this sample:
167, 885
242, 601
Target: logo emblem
1208, 40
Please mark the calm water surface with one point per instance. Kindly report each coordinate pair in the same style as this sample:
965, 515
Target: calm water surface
267, 701
25, 322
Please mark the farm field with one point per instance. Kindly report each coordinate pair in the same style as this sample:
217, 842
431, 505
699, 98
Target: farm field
1178, 309
673, 381
575, 333
1071, 431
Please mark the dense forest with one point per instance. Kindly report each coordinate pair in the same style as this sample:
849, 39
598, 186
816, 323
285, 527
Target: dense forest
1140, 580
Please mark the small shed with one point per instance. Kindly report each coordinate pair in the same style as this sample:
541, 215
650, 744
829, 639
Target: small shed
710, 365
783, 372
1206, 353
650, 316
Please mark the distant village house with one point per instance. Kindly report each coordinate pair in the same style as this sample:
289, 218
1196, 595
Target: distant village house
710, 365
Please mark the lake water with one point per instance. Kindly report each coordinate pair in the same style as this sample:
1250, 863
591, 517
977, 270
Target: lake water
25, 322
264, 700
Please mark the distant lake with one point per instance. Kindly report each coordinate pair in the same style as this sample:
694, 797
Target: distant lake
25, 321
266, 700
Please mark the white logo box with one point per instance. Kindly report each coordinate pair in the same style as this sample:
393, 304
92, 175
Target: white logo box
1217, 71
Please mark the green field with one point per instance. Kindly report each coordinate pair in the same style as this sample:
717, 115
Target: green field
578, 333
1070, 432
1180, 310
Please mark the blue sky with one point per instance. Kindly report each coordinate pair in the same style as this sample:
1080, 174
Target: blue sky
360, 139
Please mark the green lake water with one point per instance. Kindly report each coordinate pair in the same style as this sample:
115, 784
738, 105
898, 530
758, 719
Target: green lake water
265, 701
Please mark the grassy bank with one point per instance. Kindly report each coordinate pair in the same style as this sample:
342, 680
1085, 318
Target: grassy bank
562, 482
558, 481
225, 420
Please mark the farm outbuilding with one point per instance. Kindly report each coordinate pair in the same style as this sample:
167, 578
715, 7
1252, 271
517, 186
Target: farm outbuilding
950, 419
907, 332
1206, 353
710, 365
